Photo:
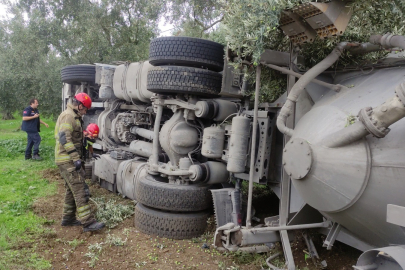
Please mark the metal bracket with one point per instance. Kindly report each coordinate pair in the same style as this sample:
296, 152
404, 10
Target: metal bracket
332, 235
175, 104
222, 239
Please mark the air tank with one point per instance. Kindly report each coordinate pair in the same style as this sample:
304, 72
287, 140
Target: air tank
130, 82
213, 142
351, 184
238, 144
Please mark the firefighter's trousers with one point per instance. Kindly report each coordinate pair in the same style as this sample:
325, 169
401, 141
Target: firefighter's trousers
75, 195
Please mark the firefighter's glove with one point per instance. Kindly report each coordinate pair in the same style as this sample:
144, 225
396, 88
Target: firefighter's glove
87, 194
78, 165
95, 156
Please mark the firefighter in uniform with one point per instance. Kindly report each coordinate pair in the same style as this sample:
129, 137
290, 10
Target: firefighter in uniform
90, 136
68, 155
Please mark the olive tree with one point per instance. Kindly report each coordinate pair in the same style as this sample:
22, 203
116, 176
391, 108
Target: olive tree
39, 37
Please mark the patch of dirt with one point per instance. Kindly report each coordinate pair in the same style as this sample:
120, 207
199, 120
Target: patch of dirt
51, 207
341, 257
68, 247
52, 175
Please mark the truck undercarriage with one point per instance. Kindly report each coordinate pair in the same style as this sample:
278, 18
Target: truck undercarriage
178, 134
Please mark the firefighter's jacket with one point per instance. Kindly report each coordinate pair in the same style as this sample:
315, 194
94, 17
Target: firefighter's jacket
69, 136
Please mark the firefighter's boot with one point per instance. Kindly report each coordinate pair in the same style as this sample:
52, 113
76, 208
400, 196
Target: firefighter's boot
69, 221
95, 226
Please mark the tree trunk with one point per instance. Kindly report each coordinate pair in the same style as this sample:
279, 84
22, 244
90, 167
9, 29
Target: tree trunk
7, 116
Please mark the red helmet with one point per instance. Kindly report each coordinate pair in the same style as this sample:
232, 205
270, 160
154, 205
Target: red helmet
84, 99
93, 130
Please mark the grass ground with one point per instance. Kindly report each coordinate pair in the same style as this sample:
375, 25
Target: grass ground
21, 183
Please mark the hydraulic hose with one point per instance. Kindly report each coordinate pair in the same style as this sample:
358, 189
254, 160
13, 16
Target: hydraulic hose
297, 75
388, 41
299, 86
374, 121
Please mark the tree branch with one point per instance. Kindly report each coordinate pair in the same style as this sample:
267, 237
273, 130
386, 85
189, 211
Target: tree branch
211, 25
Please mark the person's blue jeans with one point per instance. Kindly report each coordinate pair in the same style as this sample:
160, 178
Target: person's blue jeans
33, 140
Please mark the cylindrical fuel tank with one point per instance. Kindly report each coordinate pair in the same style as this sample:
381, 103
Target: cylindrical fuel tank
128, 173
352, 185
238, 144
213, 142
130, 82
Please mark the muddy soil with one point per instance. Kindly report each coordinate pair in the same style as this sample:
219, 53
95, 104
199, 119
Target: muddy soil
68, 247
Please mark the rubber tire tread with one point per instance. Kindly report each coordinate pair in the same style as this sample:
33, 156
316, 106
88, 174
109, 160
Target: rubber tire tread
171, 197
76, 74
186, 51
184, 80
170, 225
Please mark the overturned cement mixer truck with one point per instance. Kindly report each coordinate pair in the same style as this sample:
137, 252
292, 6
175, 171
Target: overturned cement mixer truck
178, 134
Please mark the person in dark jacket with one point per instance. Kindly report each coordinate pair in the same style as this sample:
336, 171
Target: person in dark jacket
30, 124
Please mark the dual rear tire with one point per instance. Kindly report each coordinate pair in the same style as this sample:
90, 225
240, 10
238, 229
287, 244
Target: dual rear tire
170, 210
185, 65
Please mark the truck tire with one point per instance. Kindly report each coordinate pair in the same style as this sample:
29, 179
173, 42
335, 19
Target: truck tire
171, 197
170, 225
77, 74
186, 51
184, 80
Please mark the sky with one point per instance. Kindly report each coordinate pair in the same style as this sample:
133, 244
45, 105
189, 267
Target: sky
165, 27
2, 10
